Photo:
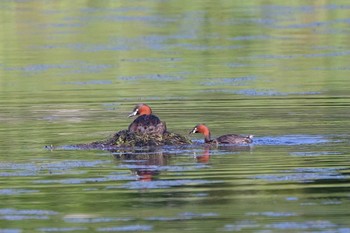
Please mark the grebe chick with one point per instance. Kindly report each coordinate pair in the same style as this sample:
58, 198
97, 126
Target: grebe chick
224, 139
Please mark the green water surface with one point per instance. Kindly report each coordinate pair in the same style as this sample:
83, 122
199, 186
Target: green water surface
71, 72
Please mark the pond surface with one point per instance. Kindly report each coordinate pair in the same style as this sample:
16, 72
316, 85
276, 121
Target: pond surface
71, 73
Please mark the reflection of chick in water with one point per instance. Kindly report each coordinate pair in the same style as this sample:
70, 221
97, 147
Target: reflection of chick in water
144, 164
205, 156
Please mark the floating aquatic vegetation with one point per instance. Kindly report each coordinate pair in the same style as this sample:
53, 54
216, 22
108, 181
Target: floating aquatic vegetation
125, 138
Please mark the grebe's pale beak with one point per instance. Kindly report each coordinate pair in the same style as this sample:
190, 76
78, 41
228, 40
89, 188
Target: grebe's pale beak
134, 113
194, 130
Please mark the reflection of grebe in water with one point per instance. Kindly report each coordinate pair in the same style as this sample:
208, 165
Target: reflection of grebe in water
205, 156
144, 164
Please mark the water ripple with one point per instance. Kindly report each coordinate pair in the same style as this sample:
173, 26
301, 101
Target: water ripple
290, 140
62, 229
18, 215
305, 175
161, 184
127, 228
16, 191
307, 225
85, 180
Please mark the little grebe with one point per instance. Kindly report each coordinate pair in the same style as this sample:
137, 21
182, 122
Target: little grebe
146, 122
224, 139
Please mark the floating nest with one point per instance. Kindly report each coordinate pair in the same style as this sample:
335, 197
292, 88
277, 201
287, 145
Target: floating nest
125, 138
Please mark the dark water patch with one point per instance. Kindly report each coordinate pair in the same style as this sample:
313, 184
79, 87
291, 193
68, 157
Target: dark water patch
238, 81
84, 47
238, 65
126, 228
272, 214
153, 98
86, 180
259, 37
305, 175
294, 56
327, 47
70, 67
16, 191
290, 226
33, 169
185, 216
241, 225
252, 37
182, 167
262, 92
330, 54
163, 184
39, 67
18, 173
53, 26
292, 198
333, 6
261, 21
306, 225
303, 25
124, 9
69, 164
332, 31
111, 106
62, 229
291, 140
276, 9
90, 82
331, 202
156, 77
19, 170
311, 154
316, 24
97, 47
130, 18
207, 47
3, 230
334, 68
152, 60
198, 215
72, 219
30, 214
